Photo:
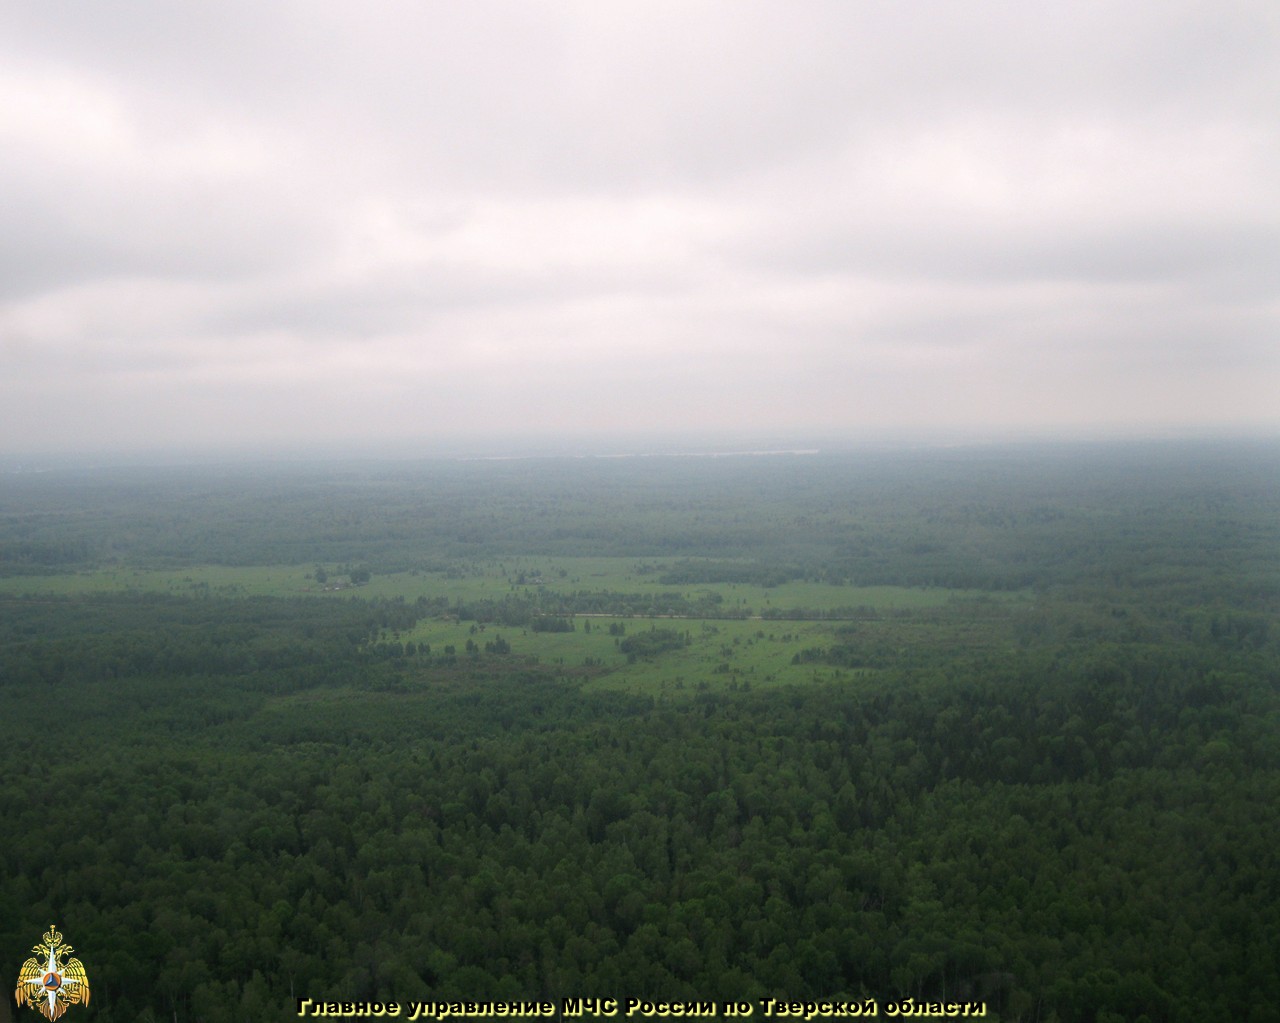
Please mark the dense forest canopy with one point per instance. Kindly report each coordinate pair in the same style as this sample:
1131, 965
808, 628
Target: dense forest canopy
991, 518
999, 725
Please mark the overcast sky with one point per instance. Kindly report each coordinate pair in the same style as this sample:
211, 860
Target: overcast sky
254, 222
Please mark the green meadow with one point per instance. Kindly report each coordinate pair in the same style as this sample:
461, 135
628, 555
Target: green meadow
754, 645
490, 579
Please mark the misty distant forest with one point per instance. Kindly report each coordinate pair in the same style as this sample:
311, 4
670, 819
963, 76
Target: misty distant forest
991, 724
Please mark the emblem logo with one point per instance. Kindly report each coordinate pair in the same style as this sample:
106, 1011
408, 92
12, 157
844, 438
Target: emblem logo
52, 980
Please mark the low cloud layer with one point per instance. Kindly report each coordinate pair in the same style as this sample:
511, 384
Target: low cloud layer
309, 222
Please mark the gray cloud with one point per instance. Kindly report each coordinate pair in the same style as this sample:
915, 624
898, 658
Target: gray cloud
226, 221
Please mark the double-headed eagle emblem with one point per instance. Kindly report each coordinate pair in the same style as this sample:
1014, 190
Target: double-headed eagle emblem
53, 981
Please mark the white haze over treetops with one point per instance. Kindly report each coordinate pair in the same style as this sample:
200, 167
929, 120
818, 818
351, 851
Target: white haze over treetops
309, 222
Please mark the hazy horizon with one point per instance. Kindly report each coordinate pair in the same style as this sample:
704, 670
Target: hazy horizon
285, 228
498, 448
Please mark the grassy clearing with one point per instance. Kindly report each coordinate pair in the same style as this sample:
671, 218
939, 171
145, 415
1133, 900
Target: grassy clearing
206, 580
492, 579
720, 653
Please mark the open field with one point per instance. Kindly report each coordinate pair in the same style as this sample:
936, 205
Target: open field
488, 580
720, 652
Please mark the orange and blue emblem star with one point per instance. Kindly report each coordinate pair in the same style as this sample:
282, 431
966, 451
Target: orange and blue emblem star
53, 981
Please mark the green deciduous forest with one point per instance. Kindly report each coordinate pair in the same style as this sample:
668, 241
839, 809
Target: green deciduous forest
996, 724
